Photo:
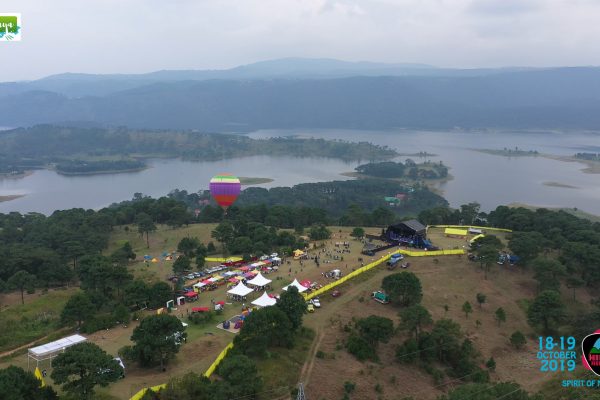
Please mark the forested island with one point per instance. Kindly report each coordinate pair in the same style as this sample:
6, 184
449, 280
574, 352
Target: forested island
408, 170
92, 150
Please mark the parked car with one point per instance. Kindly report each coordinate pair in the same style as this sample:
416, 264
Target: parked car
310, 308
316, 302
336, 293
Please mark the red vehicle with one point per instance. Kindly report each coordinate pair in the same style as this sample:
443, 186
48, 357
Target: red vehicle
336, 293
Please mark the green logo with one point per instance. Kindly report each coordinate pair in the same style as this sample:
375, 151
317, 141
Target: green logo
10, 27
9, 24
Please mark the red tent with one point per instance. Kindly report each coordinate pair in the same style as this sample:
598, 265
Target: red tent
220, 302
233, 280
207, 282
305, 283
190, 295
200, 309
245, 269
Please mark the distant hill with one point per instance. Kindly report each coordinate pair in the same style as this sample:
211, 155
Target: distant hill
79, 85
297, 93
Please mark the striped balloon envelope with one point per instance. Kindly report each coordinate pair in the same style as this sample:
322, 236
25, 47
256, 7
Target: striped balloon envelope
225, 189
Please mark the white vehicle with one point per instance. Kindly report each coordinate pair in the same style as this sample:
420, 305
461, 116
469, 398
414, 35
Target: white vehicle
334, 274
263, 258
274, 255
316, 302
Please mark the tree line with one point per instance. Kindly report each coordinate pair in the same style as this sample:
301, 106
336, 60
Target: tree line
50, 143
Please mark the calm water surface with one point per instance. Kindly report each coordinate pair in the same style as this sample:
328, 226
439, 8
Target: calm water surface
490, 180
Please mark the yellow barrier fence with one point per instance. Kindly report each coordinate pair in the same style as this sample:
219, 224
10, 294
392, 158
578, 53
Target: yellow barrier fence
218, 360
383, 259
487, 228
318, 292
142, 392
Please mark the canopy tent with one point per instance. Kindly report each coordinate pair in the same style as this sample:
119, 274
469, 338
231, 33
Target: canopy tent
455, 232
240, 290
245, 269
191, 295
306, 283
155, 260
476, 237
259, 281
298, 253
297, 285
264, 301
200, 309
52, 349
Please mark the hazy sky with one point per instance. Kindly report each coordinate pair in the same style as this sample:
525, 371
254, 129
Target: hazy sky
130, 36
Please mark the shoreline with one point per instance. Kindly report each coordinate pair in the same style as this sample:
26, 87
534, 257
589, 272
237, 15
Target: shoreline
22, 175
104, 172
574, 211
559, 185
591, 167
246, 181
10, 197
432, 184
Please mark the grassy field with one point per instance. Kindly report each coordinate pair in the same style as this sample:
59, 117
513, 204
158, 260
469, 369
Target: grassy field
35, 319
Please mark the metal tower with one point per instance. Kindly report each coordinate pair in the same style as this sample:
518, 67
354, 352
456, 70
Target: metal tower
301, 395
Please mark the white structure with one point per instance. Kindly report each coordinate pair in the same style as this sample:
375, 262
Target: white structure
240, 290
259, 281
298, 285
264, 301
52, 349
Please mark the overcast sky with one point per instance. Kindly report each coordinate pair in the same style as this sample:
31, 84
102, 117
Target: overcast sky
134, 36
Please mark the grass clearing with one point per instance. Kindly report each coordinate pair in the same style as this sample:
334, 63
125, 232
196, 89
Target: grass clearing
281, 369
38, 317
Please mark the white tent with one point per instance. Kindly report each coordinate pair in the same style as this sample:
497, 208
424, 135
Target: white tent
264, 301
298, 285
52, 349
259, 281
240, 290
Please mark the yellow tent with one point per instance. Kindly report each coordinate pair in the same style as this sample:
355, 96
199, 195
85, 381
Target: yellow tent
476, 237
455, 232
155, 260
39, 376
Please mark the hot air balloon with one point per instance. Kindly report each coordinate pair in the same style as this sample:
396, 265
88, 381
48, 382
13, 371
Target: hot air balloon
225, 189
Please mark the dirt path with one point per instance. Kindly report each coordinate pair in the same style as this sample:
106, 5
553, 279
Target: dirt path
30, 344
310, 360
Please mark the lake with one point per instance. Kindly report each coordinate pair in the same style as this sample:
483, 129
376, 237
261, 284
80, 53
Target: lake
491, 180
